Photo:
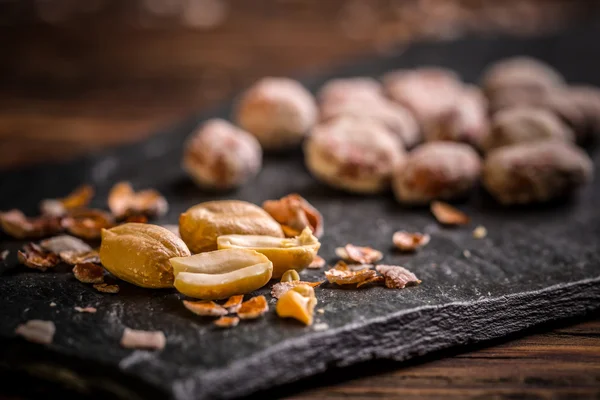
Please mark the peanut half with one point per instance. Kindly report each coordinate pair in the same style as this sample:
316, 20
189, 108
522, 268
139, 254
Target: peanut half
285, 254
222, 273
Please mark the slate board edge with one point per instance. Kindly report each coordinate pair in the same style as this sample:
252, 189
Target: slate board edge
453, 324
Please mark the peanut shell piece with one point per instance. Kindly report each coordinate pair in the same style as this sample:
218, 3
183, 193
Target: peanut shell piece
285, 254
396, 118
221, 274
465, 122
520, 125
218, 155
437, 170
355, 155
140, 253
427, 92
341, 90
536, 172
278, 111
202, 224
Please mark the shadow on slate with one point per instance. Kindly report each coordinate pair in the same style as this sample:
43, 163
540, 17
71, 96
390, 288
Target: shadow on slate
537, 264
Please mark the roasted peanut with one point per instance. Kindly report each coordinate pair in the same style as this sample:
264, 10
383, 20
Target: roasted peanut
520, 125
536, 172
293, 253
520, 72
202, 224
218, 155
465, 122
222, 273
343, 89
140, 253
278, 111
353, 154
427, 92
437, 170
299, 303
396, 118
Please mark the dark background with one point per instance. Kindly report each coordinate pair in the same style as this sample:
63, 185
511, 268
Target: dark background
77, 76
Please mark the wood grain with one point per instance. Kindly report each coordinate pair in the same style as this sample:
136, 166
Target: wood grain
78, 81
563, 363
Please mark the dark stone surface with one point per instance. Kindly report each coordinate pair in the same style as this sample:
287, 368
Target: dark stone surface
537, 264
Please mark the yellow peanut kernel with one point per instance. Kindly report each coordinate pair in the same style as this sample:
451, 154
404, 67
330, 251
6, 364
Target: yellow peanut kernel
222, 273
299, 303
293, 253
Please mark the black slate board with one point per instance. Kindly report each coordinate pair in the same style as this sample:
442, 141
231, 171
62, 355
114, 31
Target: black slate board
537, 264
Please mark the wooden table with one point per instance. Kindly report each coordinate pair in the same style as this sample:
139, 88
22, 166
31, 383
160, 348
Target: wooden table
559, 363
73, 90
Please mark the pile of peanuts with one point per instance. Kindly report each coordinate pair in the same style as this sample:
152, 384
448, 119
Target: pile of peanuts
423, 132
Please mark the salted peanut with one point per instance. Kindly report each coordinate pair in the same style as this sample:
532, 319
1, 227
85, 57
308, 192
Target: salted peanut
280, 288
445, 214
397, 277
123, 202
290, 275
521, 125
520, 72
62, 243
227, 322
219, 155
37, 331
395, 117
75, 257
138, 339
317, 263
341, 274
205, 308
79, 198
106, 288
253, 308
437, 170
285, 253
410, 241
427, 92
465, 122
294, 214
343, 89
33, 256
353, 154
536, 172
17, 225
298, 303
87, 223
201, 225
278, 111
89, 273
140, 253
358, 254
234, 303
222, 273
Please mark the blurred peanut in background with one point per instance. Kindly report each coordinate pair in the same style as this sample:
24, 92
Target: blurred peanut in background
77, 76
